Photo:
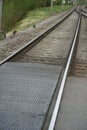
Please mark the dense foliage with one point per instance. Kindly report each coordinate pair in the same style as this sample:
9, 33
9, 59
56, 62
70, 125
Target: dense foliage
14, 10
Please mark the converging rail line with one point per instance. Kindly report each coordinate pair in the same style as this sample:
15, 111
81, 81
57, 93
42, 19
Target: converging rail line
82, 12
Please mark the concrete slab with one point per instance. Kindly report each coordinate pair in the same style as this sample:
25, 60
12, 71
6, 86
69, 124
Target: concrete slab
25, 93
73, 110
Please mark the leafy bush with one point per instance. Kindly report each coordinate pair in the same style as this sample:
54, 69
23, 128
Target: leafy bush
14, 10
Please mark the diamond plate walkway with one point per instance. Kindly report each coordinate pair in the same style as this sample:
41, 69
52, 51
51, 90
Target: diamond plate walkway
25, 93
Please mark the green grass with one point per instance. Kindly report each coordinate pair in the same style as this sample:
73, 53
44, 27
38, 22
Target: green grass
15, 10
37, 15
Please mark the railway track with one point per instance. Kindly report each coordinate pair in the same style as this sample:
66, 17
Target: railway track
72, 113
79, 67
82, 12
51, 49
69, 100
29, 53
35, 40
63, 80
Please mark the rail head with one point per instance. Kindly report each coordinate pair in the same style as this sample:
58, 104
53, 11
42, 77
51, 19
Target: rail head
59, 96
82, 13
41, 36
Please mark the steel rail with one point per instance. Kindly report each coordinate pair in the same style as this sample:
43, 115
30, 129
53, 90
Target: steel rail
77, 11
85, 15
82, 13
82, 10
59, 96
41, 36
